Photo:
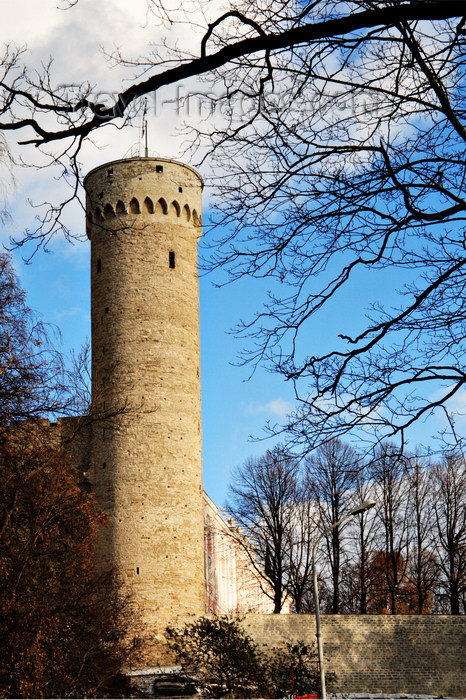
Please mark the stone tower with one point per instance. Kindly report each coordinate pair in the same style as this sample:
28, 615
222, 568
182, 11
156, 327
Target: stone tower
144, 223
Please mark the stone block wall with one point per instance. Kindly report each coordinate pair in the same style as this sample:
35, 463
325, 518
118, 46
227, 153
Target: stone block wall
420, 654
144, 223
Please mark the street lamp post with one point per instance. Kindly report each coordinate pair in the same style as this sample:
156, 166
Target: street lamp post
366, 505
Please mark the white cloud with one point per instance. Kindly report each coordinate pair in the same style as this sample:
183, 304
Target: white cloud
276, 407
456, 406
77, 40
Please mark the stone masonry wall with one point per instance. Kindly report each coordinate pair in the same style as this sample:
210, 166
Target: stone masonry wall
378, 653
143, 220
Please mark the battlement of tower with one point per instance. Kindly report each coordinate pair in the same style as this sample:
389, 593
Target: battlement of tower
144, 190
143, 220
110, 210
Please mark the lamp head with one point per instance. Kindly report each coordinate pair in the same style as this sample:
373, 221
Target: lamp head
366, 505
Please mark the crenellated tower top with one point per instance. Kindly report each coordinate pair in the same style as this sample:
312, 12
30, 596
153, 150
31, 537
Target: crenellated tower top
148, 187
144, 223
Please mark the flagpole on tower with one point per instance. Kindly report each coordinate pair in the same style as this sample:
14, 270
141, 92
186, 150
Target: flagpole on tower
144, 131
144, 116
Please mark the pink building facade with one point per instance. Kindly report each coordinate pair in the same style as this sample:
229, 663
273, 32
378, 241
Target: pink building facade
232, 583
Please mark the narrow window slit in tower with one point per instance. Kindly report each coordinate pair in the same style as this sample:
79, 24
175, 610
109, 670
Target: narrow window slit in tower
171, 259
99, 265
159, 168
137, 570
180, 189
106, 309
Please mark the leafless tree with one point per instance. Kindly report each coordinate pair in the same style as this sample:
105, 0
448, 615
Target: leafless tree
330, 474
301, 536
59, 632
422, 573
362, 537
450, 529
267, 29
407, 555
388, 473
347, 168
31, 370
263, 494
36, 379
352, 178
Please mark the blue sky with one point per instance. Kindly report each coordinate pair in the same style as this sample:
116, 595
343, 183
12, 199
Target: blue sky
58, 283
233, 407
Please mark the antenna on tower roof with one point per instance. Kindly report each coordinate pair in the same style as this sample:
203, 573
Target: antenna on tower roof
144, 129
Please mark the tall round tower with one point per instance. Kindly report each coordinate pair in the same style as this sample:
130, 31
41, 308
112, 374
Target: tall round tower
144, 223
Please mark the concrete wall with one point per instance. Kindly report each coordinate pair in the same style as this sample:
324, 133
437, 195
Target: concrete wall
378, 653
